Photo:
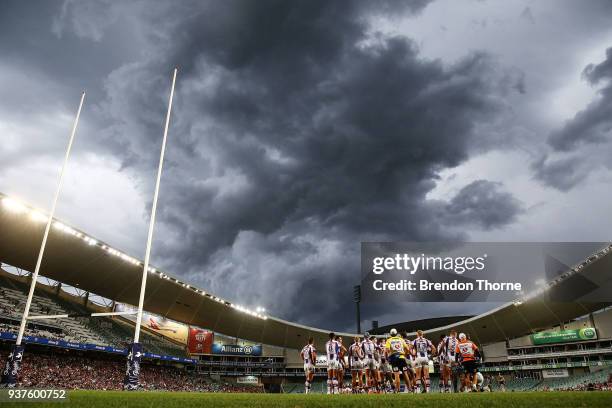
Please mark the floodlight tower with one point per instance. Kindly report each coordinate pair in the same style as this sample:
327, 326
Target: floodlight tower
357, 300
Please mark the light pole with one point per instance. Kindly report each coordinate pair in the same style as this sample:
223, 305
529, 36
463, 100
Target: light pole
357, 300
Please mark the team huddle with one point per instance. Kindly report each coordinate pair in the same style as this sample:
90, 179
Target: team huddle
378, 365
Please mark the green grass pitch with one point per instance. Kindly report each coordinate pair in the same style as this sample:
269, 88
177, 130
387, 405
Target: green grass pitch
109, 399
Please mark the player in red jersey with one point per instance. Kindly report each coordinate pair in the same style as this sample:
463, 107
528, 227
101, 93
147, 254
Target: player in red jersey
468, 353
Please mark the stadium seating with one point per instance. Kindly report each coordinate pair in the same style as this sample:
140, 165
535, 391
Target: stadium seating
576, 382
101, 331
516, 384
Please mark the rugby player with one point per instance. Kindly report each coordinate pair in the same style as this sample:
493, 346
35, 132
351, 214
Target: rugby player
442, 362
450, 345
309, 355
501, 380
378, 353
467, 353
409, 373
385, 370
341, 353
422, 348
369, 362
396, 350
333, 363
355, 355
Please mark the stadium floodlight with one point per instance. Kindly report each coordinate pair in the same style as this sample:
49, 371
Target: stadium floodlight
16, 354
37, 216
13, 205
135, 352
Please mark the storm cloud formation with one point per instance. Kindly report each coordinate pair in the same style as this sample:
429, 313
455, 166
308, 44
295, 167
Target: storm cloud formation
299, 130
583, 143
299, 134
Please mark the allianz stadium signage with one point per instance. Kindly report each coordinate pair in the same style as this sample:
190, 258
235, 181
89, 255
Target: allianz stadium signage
236, 350
564, 336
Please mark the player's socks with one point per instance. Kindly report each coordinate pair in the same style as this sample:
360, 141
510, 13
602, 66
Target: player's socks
441, 386
307, 387
329, 386
427, 384
335, 386
418, 386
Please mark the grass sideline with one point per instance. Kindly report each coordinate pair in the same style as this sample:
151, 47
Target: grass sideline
110, 399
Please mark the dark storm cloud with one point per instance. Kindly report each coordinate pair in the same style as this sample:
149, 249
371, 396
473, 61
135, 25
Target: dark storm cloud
297, 133
482, 203
296, 136
577, 143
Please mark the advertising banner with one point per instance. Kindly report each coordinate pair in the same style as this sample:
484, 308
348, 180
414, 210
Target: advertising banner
564, 336
555, 373
86, 346
200, 341
247, 379
166, 327
236, 350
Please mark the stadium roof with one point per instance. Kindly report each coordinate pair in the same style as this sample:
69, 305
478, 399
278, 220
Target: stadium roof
421, 324
74, 258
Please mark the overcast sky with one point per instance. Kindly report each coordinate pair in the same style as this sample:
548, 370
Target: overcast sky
302, 128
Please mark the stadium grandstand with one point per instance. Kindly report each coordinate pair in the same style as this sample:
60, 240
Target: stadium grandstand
196, 341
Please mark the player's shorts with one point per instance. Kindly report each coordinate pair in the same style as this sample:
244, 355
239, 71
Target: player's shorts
398, 362
442, 358
333, 365
369, 364
469, 366
410, 362
386, 367
377, 364
356, 365
450, 360
309, 367
420, 362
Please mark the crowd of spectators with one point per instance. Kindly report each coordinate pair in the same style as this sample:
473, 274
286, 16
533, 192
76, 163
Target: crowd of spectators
71, 371
592, 386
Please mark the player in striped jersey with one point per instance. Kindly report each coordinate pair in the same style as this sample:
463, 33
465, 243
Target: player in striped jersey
342, 363
369, 362
355, 355
385, 370
442, 362
409, 373
333, 363
309, 355
450, 346
422, 348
